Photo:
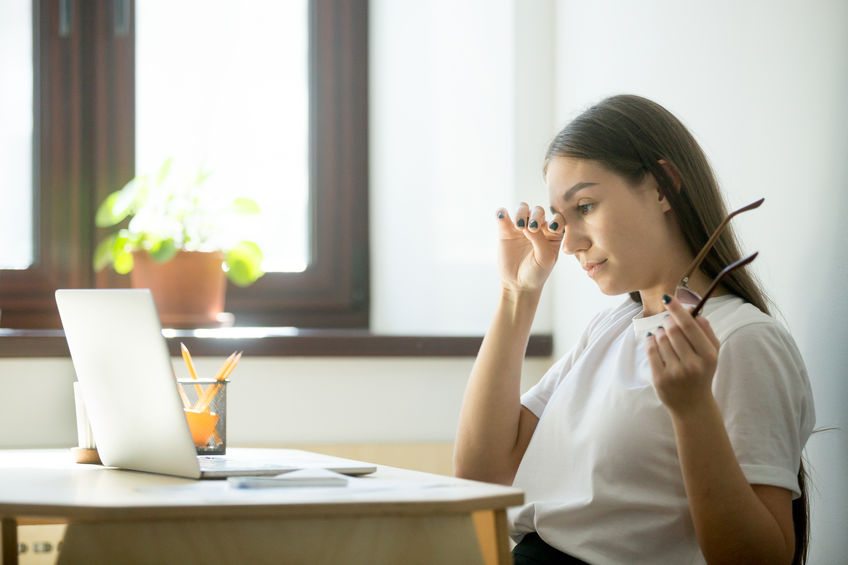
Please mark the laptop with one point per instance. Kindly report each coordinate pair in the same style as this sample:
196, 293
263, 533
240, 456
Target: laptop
130, 392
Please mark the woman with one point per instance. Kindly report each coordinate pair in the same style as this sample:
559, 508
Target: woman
662, 437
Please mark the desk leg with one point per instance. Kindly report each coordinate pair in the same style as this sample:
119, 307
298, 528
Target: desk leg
9, 537
502, 537
493, 536
351, 540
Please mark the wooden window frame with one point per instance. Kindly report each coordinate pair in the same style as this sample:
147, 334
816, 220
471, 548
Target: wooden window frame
84, 148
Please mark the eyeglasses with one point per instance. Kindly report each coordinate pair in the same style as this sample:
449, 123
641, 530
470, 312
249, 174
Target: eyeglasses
688, 296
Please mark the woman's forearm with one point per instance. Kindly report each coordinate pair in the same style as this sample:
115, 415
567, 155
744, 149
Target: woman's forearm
491, 411
732, 523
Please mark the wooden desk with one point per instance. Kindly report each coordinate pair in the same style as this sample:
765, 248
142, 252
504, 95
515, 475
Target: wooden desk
392, 516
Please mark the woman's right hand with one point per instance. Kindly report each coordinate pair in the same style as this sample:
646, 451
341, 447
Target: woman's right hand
529, 247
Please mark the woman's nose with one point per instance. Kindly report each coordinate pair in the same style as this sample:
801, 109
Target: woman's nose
574, 240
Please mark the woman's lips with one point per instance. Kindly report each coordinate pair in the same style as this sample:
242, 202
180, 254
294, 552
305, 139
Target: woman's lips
592, 268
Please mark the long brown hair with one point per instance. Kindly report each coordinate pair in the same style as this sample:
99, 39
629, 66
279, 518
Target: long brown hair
629, 135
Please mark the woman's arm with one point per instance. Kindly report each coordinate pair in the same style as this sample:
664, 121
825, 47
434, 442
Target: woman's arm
735, 522
494, 429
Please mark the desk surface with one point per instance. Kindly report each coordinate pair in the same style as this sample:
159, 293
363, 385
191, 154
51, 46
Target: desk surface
46, 483
391, 516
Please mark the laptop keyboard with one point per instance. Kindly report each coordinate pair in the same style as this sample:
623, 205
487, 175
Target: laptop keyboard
223, 463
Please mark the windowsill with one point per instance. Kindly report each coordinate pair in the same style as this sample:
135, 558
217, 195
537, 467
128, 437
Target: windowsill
277, 342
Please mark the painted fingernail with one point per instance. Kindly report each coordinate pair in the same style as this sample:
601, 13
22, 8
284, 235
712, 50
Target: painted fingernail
554, 226
649, 334
666, 299
534, 224
501, 215
520, 223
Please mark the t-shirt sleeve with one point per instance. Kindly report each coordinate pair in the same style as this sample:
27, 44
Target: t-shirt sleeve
763, 391
538, 396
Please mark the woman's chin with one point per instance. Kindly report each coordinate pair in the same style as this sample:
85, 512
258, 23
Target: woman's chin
603, 287
610, 290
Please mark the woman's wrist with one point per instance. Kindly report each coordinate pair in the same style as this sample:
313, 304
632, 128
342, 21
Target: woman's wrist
519, 307
521, 297
696, 411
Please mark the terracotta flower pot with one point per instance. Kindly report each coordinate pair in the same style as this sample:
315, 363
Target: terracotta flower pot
189, 289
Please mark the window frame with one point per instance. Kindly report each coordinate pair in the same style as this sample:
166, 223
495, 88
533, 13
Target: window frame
83, 149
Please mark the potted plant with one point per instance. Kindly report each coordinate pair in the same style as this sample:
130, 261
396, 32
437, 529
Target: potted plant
179, 242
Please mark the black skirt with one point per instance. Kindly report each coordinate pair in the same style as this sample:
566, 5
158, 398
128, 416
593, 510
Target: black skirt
532, 550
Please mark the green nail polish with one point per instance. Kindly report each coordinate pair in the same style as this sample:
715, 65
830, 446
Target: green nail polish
520, 223
554, 226
534, 224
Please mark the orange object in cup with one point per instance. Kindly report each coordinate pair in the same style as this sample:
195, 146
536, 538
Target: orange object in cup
202, 425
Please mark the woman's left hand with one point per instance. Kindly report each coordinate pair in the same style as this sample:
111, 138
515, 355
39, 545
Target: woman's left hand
683, 357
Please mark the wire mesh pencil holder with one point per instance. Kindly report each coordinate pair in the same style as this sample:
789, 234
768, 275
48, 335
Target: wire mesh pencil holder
205, 404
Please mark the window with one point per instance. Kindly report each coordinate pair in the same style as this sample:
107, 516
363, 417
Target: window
212, 105
16, 134
84, 147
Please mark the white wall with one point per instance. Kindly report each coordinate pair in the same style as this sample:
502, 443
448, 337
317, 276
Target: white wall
271, 401
763, 86
461, 107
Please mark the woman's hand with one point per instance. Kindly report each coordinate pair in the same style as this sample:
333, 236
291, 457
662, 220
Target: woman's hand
529, 247
683, 355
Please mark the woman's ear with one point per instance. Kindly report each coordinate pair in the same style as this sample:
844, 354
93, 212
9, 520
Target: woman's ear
672, 173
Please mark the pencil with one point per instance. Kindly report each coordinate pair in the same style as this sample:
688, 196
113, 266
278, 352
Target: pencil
225, 366
204, 399
223, 373
192, 371
231, 367
183, 397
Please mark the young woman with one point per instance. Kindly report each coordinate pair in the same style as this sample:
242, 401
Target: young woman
663, 436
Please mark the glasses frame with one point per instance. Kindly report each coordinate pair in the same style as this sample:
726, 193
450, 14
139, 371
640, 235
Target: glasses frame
683, 285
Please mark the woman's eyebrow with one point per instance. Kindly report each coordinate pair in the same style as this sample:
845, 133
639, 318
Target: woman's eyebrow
569, 194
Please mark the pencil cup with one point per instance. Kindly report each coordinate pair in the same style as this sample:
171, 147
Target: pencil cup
86, 450
205, 404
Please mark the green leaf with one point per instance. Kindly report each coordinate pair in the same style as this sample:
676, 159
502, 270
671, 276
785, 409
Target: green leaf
121, 203
202, 176
123, 262
164, 170
125, 240
105, 217
164, 250
244, 263
245, 206
250, 249
103, 253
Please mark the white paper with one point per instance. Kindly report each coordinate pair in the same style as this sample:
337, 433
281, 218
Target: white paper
299, 478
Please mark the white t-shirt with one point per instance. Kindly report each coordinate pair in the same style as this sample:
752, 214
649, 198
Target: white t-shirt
601, 476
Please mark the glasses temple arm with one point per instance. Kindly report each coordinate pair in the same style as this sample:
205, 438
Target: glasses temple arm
706, 248
727, 270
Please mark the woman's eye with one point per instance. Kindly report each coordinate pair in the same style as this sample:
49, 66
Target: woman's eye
585, 208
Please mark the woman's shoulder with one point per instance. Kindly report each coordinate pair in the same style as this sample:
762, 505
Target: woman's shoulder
731, 314
739, 322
